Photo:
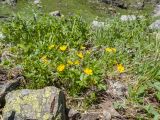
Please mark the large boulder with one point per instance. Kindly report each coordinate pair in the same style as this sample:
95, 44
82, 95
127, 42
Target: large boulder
42, 104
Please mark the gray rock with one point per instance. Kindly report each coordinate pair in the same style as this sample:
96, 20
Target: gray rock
155, 25
152, 1
97, 24
55, 13
73, 114
138, 4
5, 87
118, 3
92, 116
131, 17
37, 2
42, 104
117, 89
157, 11
107, 115
128, 17
11, 2
2, 36
108, 110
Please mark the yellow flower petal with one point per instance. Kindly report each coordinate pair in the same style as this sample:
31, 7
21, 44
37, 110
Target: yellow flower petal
44, 59
61, 68
82, 47
110, 50
70, 62
77, 62
51, 46
80, 54
63, 47
120, 68
88, 71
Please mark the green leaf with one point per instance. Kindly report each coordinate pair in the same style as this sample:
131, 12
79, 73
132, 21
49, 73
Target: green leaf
81, 76
151, 110
156, 117
158, 96
157, 86
141, 89
102, 87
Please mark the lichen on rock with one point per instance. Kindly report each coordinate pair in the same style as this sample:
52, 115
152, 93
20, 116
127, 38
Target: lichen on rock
42, 104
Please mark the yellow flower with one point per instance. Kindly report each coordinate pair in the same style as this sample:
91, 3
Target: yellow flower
82, 47
70, 62
88, 71
77, 62
80, 54
51, 46
44, 59
61, 68
63, 47
110, 49
120, 68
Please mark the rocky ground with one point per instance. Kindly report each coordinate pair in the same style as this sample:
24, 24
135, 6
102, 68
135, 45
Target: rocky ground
50, 102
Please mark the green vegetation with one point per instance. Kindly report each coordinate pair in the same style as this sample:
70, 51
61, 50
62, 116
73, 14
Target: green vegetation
70, 54
89, 9
67, 7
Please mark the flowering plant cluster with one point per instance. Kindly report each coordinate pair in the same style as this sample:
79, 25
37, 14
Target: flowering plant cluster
60, 53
